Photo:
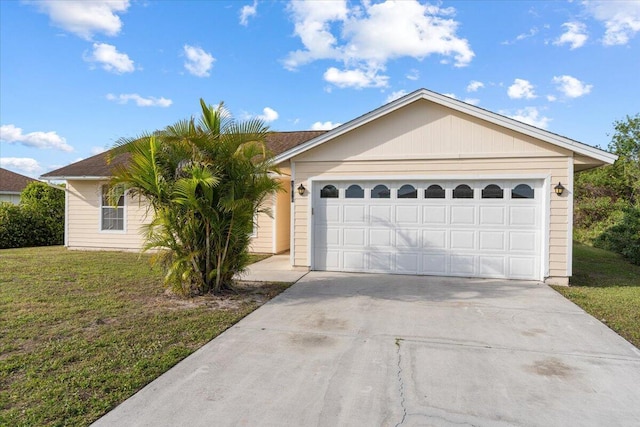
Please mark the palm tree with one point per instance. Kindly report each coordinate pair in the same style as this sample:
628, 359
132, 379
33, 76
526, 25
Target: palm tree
205, 181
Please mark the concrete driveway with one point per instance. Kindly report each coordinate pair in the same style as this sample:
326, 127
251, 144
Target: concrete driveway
379, 350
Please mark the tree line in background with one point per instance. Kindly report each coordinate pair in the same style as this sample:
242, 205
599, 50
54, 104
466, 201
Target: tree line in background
607, 199
37, 221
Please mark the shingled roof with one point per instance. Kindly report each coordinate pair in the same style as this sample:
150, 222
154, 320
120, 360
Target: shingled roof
11, 182
97, 166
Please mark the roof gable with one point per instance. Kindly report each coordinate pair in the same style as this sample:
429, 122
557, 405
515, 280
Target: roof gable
426, 130
459, 106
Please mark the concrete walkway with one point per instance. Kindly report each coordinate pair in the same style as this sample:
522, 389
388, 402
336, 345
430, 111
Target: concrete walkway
276, 268
380, 350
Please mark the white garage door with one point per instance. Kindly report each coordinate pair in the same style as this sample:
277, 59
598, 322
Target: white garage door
448, 228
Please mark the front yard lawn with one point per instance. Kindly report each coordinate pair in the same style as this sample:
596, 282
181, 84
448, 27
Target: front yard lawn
82, 331
607, 287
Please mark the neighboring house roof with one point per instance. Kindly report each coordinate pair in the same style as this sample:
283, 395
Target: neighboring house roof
11, 182
98, 167
454, 104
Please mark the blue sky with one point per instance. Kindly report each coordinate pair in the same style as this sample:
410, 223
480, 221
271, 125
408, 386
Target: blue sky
77, 76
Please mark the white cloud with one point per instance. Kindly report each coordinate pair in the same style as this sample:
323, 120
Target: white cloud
571, 87
413, 74
395, 95
532, 32
198, 61
521, 89
621, 19
248, 11
43, 140
150, 101
324, 125
575, 35
472, 101
24, 164
86, 18
531, 116
110, 59
355, 78
551, 98
474, 85
268, 115
365, 37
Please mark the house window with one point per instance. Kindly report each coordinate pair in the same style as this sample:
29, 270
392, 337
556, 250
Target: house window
434, 192
463, 191
492, 191
380, 192
407, 191
111, 213
354, 192
522, 191
329, 192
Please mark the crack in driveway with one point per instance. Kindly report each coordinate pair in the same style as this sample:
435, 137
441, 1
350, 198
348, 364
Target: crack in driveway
401, 383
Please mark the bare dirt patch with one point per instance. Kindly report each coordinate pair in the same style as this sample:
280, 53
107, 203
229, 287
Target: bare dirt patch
245, 293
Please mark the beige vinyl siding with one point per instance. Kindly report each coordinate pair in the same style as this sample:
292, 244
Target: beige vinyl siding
262, 242
283, 217
83, 220
431, 141
277, 225
430, 131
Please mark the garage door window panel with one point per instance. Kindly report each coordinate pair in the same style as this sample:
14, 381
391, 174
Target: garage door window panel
434, 192
380, 192
354, 191
463, 191
329, 192
492, 191
407, 191
522, 191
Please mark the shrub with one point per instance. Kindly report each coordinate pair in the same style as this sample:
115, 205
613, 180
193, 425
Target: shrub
37, 221
624, 236
592, 216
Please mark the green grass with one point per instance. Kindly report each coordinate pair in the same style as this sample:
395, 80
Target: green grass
607, 287
82, 331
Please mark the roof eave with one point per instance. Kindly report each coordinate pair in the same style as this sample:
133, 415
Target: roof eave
74, 178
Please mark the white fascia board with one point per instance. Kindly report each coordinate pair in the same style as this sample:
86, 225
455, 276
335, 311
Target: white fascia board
457, 105
76, 178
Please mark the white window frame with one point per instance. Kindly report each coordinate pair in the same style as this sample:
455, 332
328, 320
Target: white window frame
103, 206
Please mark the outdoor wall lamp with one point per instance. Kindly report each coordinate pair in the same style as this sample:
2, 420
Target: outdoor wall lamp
301, 190
559, 189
